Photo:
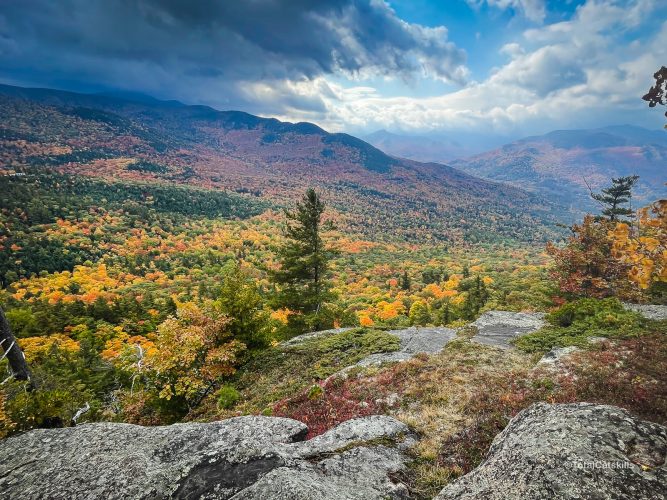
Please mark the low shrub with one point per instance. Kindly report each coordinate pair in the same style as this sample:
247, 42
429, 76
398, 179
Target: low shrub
575, 322
227, 397
284, 371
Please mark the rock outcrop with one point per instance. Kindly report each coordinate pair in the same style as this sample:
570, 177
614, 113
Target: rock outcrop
553, 358
414, 340
498, 328
650, 311
299, 339
243, 458
570, 451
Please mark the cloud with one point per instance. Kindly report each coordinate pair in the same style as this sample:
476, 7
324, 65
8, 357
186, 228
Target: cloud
319, 61
535, 10
217, 51
588, 71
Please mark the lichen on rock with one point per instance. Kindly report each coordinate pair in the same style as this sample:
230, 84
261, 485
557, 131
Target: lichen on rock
570, 451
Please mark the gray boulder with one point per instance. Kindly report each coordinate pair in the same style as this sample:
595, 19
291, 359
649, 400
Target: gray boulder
359, 473
300, 339
570, 451
243, 457
498, 328
414, 340
650, 311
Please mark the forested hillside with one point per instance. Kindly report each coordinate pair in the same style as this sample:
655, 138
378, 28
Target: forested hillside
170, 143
566, 164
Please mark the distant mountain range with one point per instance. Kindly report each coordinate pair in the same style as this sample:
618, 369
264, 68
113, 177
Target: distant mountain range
134, 138
418, 147
563, 164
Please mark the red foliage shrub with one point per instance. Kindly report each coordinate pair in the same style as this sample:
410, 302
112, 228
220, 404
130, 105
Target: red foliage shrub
340, 399
585, 267
631, 374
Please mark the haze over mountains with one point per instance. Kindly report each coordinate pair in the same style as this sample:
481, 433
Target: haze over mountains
565, 163
562, 164
144, 140
440, 147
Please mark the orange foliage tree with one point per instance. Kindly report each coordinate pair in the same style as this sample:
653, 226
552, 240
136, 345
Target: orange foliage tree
585, 267
604, 258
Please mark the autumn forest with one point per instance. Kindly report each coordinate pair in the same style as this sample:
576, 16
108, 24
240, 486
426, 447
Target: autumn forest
157, 258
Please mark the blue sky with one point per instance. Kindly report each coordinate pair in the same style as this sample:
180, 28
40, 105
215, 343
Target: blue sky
479, 28
490, 67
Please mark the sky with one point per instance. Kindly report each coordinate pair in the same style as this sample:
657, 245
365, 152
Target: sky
505, 68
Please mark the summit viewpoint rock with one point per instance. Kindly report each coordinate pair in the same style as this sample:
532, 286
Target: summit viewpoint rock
243, 457
570, 451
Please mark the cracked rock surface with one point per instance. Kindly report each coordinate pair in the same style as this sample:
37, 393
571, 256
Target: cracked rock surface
414, 340
570, 451
244, 457
498, 328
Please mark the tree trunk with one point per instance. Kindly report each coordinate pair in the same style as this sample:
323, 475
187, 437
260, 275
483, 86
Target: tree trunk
12, 351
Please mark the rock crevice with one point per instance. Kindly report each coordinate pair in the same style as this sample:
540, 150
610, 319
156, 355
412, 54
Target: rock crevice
242, 457
570, 451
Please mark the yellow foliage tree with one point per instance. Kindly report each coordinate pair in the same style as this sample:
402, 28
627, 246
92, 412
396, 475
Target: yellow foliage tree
36, 348
643, 248
6, 424
193, 351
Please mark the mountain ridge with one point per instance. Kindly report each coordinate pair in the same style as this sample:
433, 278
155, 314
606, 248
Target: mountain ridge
197, 145
566, 164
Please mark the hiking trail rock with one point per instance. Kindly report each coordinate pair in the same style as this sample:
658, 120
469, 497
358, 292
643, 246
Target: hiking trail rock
244, 457
498, 328
570, 451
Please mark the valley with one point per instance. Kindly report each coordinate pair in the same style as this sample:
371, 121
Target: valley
563, 165
142, 240
333, 250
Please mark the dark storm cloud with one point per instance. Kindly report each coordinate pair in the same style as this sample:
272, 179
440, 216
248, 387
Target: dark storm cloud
215, 50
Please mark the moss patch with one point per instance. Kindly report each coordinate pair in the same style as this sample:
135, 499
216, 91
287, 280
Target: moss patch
285, 371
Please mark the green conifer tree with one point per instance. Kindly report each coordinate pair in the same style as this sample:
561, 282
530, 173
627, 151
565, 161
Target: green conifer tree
478, 295
614, 197
302, 280
405, 281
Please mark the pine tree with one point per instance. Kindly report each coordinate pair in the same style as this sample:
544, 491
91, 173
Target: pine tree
303, 287
405, 281
478, 295
445, 315
613, 197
